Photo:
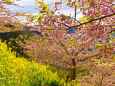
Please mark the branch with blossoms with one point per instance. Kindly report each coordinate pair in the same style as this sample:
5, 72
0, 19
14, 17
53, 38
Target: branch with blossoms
82, 23
92, 20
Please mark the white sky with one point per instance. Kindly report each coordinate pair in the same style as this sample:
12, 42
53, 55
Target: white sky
29, 6
29, 2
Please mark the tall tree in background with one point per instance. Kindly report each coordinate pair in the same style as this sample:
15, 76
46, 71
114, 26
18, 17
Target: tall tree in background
6, 16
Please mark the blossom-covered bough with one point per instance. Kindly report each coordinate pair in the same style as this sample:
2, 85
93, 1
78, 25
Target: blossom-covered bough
91, 38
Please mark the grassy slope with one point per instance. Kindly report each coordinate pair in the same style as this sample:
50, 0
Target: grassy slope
20, 72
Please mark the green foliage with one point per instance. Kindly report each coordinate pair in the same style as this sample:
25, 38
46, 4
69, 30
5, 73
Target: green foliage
20, 72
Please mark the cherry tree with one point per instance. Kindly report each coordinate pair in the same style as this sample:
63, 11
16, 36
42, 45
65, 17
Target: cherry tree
82, 41
86, 44
6, 16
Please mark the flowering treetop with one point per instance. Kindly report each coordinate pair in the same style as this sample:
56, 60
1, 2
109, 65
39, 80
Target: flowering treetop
96, 24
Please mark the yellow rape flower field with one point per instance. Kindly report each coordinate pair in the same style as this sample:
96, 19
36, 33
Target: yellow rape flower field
18, 71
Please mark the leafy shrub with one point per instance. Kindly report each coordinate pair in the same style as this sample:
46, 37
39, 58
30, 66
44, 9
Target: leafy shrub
20, 72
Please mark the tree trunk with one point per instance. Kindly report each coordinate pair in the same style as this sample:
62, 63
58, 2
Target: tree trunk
73, 69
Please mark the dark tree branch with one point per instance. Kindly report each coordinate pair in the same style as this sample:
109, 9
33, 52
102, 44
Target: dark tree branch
74, 19
81, 60
63, 47
67, 78
75, 10
85, 22
78, 52
73, 69
101, 81
92, 20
